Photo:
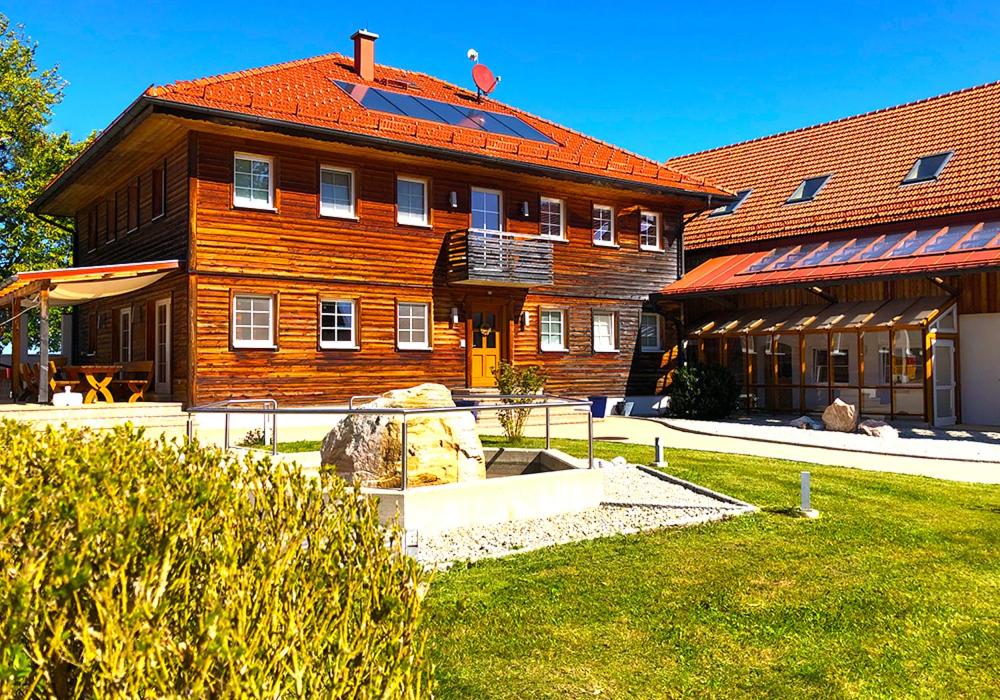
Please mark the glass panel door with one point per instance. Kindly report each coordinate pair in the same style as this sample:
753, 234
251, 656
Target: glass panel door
944, 382
487, 210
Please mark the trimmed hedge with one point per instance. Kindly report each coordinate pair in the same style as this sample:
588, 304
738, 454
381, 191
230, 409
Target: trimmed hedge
134, 568
703, 392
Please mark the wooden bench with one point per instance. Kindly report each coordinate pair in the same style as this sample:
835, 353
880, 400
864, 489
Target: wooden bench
68, 379
136, 378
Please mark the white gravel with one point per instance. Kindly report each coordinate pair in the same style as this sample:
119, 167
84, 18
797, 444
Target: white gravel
913, 441
635, 501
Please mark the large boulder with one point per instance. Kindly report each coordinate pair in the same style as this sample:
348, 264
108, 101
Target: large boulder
877, 428
442, 447
841, 417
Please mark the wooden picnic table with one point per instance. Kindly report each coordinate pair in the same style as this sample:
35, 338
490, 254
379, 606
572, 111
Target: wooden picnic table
97, 377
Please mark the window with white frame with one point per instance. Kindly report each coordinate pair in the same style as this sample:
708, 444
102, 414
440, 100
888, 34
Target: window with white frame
552, 326
125, 335
413, 326
336, 192
651, 333
253, 181
337, 324
411, 201
552, 219
649, 231
603, 225
487, 210
253, 321
605, 331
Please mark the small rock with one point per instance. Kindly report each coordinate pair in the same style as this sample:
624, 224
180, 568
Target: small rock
619, 461
877, 428
841, 417
806, 423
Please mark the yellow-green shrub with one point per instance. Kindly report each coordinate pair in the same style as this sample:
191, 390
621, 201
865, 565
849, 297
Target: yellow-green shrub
132, 568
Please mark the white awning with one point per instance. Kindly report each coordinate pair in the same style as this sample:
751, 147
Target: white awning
76, 285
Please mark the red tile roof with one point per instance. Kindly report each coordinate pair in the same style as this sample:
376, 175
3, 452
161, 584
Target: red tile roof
962, 248
868, 156
303, 92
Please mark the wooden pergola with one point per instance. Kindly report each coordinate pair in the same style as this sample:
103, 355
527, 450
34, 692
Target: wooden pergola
44, 289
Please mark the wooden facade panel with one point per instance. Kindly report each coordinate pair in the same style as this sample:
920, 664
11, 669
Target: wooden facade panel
298, 371
163, 238
296, 241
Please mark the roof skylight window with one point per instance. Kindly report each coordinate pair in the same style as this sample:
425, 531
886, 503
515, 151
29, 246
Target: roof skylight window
808, 190
927, 168
733, 205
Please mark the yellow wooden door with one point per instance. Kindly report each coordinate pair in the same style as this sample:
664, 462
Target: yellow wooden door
484, 345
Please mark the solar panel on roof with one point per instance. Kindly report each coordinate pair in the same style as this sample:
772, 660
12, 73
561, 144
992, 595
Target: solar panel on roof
769, 258
849, 250
947, 238
912, 243
390, 102
981, 238
795, 256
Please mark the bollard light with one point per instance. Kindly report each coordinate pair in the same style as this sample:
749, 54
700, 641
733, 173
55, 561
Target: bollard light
805, 497
658, 448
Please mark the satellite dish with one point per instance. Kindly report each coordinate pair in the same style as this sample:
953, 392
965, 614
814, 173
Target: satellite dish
484, 79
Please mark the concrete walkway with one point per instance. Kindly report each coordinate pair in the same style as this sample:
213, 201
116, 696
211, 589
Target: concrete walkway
643, 431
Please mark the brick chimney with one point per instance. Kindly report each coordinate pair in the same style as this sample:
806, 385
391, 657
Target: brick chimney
364, 53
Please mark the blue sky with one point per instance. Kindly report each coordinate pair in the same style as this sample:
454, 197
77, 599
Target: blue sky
661, 78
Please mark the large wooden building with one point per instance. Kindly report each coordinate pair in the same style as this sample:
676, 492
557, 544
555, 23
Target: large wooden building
859, 260
342, 227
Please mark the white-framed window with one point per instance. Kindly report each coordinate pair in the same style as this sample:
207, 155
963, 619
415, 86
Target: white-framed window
605, 331
336, 192
604, 225
552, 327
487, 209
253, 321
125, 335
411, 201
413, 326
552, 219
338, 324
253, 181
650, 231
651, 333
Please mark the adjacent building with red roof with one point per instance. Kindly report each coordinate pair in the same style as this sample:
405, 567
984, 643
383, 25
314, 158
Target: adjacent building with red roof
858, 261
341, 227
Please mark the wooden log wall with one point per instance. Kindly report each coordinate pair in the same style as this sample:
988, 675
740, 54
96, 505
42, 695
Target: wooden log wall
298, 256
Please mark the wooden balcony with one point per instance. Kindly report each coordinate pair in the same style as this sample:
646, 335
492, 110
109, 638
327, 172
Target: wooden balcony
498, 258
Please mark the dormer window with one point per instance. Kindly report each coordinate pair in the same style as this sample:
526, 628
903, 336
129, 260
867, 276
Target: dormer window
927, 168
741, 197
808, 190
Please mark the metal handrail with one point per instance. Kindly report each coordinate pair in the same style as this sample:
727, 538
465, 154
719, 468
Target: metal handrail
224, 408
523, 401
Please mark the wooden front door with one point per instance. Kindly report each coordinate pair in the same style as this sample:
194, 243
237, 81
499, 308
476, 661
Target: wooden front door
485, 343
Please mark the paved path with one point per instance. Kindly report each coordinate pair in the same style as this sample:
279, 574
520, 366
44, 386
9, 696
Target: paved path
643, 431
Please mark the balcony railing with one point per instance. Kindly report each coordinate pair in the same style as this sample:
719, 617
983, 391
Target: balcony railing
496, 257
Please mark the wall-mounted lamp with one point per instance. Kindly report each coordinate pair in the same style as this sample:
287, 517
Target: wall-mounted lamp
525, 319
453, 199
524, 210
454, 316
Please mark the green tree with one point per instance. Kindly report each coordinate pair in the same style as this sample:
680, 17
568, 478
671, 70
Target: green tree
30, 156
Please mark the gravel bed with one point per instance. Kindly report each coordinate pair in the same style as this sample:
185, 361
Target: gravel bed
913, 441
634, 502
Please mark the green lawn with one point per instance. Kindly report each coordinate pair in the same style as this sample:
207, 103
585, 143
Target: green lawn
895, 591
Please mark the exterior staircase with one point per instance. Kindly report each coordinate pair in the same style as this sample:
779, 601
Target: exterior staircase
488, 423
167, 419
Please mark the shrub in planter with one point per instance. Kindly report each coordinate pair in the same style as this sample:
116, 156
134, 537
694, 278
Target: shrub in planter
133, 568
703, 392
517, 379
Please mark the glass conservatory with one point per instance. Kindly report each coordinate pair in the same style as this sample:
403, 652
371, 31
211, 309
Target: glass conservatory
892, 359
